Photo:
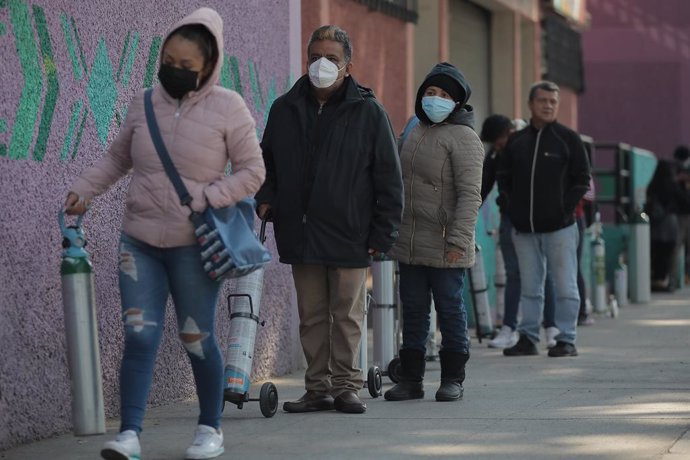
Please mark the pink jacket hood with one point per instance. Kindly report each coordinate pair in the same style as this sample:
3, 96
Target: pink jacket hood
214, 23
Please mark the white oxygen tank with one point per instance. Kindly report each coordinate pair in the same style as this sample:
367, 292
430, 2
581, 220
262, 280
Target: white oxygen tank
620, 282
599, 269
244, 318
639, 274
480, 296
500, 280
431, 343
383, 315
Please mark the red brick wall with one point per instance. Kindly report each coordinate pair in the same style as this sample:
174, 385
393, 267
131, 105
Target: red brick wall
379, 44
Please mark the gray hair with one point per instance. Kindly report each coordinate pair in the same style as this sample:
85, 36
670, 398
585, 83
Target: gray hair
335, 34
543, 85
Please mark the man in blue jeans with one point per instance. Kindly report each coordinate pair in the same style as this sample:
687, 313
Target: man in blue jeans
495, 130
542, 176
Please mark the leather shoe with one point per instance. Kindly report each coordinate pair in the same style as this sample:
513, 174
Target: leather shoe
311, 401
349, 402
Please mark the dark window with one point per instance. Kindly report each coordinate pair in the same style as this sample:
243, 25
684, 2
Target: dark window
401, 9
562, 50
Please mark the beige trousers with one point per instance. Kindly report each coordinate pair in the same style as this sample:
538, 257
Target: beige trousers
330, 302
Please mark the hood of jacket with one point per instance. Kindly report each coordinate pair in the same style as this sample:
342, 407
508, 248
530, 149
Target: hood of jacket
464, 113
210, 19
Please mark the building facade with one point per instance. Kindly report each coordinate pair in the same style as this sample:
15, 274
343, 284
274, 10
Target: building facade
637, 67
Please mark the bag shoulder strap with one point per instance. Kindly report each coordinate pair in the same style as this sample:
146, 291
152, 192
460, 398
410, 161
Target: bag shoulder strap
182, 192
411, 123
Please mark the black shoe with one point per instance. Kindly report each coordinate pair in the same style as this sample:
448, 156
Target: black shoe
311, 401
524, 347
563, 349
349, 402
402, 391
449, 391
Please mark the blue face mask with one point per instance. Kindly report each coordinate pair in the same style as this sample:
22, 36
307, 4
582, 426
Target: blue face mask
437, 108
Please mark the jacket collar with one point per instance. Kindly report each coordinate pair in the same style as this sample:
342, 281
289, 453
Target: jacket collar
302, 90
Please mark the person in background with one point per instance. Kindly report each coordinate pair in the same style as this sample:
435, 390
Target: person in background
664, 198
441, 161
204, 127
495, 131
542, 175
334, 191
681, 157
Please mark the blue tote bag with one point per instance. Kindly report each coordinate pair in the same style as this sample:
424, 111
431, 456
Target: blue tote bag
229, 245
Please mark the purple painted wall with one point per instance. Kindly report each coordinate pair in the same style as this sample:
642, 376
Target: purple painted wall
637, 69
69, 69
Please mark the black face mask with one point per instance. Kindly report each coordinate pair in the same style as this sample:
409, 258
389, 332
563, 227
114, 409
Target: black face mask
177, 82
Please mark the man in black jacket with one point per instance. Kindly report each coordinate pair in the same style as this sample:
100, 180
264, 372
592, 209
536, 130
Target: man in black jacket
542, 175
334, 191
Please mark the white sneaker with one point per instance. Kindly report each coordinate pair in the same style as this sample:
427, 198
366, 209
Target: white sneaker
208, 443
551, 333
506, 338
124, 447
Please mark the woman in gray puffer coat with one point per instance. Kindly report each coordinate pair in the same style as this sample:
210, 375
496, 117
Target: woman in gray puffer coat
441, 161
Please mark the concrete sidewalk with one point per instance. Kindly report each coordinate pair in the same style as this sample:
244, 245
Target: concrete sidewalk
627, 396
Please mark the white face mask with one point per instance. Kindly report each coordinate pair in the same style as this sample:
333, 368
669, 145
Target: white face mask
323, 73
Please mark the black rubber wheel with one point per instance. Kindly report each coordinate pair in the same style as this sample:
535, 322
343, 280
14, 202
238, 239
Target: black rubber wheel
268, 400
394, 370
374, 381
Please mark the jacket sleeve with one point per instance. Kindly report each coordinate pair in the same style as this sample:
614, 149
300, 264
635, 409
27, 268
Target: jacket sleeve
466, 160
244, 154
579, 173
116, 162
266, 193
504, 176
488, 173
387, 185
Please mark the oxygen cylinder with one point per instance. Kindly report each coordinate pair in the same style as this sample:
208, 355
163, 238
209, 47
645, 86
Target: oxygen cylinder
78, 300
599, 271
500, 280
613, 306
620, 282
480, 296
244, 318
639, 274
383, 315
431, 342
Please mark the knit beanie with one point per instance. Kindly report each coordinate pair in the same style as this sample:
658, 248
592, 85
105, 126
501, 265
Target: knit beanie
447, 84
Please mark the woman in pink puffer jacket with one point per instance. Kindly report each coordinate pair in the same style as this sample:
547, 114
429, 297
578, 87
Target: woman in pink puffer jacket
204, 127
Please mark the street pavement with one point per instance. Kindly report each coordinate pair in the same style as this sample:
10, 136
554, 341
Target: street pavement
626, 396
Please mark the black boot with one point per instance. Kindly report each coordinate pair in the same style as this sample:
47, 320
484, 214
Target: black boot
409, 386
452, 375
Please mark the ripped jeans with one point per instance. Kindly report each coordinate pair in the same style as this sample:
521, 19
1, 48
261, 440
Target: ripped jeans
147, 275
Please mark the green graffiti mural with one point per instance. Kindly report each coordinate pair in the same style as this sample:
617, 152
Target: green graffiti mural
30, 129
53, 85
30, 99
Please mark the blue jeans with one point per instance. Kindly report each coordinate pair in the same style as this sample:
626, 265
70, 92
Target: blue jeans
417, 284
511, 297
557, 251
147, 275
